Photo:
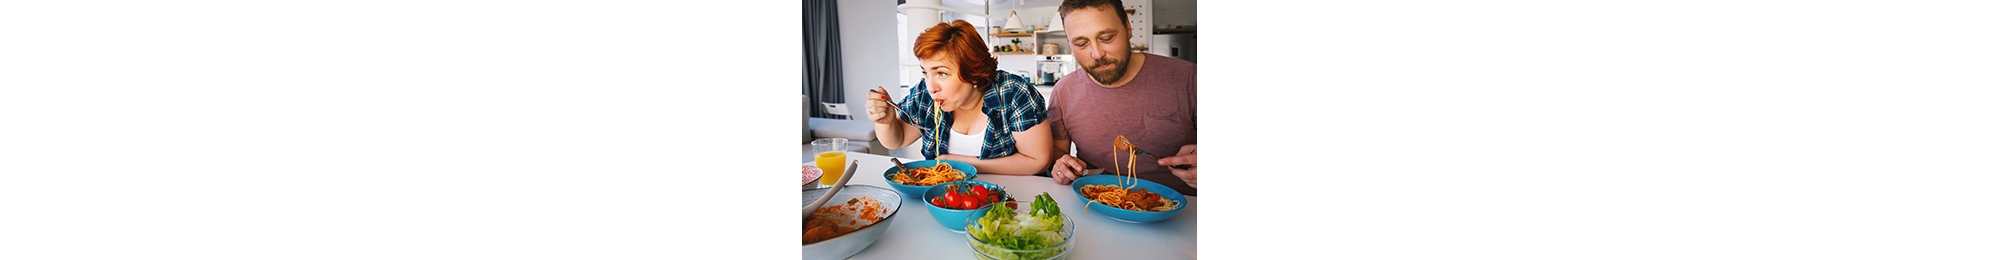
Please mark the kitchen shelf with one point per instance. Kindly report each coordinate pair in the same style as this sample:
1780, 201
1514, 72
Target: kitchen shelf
1172, 30
1015, 35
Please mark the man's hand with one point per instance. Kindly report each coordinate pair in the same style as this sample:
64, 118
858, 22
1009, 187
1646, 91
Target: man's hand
1067, 169
1185, 157
879, 110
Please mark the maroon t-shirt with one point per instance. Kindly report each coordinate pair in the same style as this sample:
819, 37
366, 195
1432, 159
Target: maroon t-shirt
1154, 111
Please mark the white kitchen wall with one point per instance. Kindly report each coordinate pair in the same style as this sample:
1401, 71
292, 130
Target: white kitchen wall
1166, 12
1163, 13
1179, 46
867, 50
1038, 16
1023, 65
1033, 17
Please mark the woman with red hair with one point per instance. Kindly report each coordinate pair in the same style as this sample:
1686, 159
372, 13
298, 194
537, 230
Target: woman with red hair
966, 109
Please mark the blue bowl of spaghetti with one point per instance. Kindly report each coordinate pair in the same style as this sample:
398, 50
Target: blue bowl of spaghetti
926, 169
1164, 205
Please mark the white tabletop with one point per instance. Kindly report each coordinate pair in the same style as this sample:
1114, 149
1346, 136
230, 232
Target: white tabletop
914, 235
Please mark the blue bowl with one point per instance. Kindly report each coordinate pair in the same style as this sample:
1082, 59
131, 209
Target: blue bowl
1127, 215
913, 191
954, 219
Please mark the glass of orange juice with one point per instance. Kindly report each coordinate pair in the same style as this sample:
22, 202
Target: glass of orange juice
832, 159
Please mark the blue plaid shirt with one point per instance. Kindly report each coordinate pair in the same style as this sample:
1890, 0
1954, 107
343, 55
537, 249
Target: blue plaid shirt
1012, 105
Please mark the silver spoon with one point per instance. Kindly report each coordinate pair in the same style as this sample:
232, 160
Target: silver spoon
807, 212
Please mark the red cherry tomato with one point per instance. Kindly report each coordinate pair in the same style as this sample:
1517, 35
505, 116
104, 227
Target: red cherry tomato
979, 191
967, 204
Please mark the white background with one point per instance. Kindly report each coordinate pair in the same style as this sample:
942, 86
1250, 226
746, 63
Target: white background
637, 130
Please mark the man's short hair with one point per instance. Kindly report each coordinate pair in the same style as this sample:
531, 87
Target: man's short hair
1114, 5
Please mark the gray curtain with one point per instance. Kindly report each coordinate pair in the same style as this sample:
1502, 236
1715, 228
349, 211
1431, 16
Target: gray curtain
822, 56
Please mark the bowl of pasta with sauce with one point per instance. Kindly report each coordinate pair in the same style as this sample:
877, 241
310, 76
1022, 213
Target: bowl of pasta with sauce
1128, 199
849, 222
926, 174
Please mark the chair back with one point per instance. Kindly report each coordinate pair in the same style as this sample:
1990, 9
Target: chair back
838, 109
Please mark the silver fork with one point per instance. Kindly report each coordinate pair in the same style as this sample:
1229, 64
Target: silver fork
1143, 152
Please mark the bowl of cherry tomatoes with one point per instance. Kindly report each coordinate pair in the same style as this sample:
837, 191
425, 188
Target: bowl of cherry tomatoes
951, 202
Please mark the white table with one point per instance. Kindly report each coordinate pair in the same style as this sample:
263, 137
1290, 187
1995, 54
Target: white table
914, 235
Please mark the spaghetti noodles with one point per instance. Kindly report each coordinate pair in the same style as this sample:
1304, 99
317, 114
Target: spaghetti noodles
1131, 160
1131, 199
927, 176
1124, 195
937, 134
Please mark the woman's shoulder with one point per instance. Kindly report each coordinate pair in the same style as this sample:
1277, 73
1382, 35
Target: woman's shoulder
1015, 92
1009, 80
1012, 85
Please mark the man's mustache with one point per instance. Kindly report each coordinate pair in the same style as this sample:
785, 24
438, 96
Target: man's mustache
1100, 63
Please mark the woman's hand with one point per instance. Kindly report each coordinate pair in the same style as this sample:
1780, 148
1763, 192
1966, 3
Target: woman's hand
1185, 157
1067, 169
957, 157
879, 109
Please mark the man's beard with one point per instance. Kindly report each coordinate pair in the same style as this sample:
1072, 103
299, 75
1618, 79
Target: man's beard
1108, 75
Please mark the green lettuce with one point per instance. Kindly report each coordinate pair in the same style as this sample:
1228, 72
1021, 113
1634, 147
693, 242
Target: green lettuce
1002, 230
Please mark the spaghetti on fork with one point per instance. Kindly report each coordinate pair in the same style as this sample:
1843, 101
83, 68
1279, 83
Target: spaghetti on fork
1124, 195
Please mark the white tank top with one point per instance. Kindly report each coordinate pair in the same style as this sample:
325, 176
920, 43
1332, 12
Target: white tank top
967, 144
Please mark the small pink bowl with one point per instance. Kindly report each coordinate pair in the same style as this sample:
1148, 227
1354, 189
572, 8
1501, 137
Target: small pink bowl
811, 175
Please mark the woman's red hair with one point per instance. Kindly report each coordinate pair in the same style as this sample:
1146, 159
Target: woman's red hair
960, 43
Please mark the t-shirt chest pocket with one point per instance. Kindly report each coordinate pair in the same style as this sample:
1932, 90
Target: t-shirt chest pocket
1164, 126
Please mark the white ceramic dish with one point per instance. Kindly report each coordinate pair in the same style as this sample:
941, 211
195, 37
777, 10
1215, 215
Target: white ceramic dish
846, 245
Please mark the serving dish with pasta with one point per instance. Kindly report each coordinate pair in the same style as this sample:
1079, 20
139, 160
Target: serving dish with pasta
1173, 204
1122, 195
852, 220
925, 174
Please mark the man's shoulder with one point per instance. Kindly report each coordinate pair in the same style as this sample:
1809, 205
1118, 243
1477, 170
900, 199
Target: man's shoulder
1075, 78
1167, 71
1169, 64
1069, 83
